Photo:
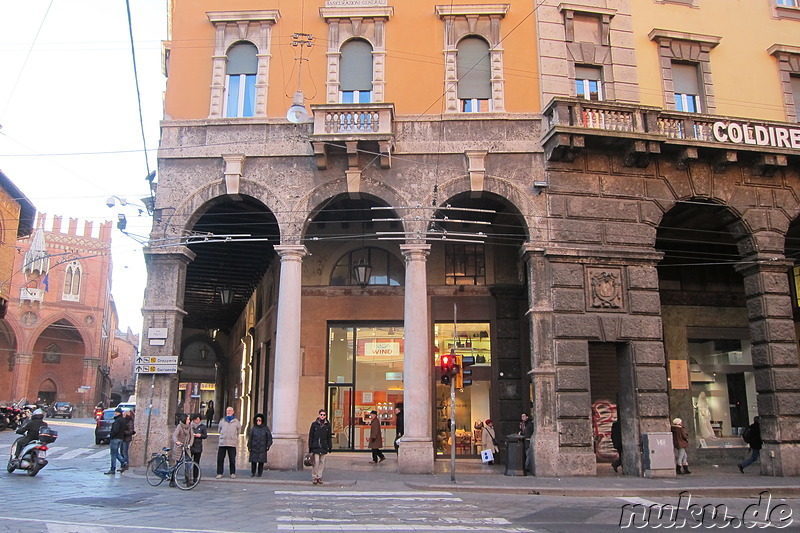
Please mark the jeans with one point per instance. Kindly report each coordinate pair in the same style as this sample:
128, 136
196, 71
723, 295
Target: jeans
126, 445
681, 457
115, 445
221, 451
754, 455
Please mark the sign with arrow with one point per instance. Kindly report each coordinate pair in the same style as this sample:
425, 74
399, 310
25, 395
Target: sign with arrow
157, 360
156, 369
161, 364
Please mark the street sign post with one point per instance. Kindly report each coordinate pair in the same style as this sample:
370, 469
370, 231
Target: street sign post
162, 364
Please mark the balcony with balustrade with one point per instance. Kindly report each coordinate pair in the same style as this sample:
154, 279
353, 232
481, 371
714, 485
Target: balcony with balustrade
572, 124
353, 128
27, 294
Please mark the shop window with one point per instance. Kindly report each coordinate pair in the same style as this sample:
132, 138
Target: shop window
587, 83
241, 81
355, 74
365, 373
474, 75
465, 264
72, 282
473, 403
383, 268
723, 390
687, 88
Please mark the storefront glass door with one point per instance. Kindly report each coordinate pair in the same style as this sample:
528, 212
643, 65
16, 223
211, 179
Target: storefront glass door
365, 373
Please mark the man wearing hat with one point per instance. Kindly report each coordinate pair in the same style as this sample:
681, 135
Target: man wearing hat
680, 441
116, 436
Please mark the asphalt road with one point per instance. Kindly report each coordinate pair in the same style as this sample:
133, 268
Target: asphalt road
71, 495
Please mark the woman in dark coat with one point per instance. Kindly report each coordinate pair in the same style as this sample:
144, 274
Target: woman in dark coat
258, 443
210, 413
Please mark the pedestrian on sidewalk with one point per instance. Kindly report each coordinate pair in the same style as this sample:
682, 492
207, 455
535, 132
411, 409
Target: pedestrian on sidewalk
376, 439
752, 436
229, 429
258, 443
200, 434
680, 441
526, 431
210, 413
489, 438
320, 438
182, 439
115, 438
616, 442
399, 424
127, 438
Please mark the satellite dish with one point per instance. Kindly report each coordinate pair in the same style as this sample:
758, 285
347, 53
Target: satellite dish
297, 114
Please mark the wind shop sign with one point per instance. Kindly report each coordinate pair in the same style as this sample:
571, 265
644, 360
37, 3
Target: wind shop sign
757, 135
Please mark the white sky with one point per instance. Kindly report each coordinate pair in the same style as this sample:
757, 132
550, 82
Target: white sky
71, 90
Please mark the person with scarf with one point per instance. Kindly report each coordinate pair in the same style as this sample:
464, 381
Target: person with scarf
182, 439
320, 438
229, 429
258, 443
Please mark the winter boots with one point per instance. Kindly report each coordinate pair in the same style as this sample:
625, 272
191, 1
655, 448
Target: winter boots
686, 469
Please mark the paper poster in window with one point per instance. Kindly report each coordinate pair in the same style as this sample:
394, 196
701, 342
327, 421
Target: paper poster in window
679, 374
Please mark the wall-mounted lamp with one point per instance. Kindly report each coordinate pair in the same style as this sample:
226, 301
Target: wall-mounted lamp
362, 271
203, 352
226, 295
539, 186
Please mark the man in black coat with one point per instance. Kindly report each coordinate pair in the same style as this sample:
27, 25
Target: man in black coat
616, 441
399, 423
752, 436
320, 443
30, 431
115, 438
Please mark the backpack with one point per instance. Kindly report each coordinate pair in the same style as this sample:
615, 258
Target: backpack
747, 435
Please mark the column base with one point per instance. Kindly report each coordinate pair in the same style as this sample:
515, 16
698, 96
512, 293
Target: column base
781, 460
545, 454
415, 457
286, 453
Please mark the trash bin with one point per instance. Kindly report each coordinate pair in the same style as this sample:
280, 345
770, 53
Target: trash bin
515, 455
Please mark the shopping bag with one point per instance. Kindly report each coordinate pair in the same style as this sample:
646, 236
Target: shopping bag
487, 456
308, 460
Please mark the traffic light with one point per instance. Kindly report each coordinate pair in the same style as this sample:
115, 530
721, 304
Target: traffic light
463, 376
447, 363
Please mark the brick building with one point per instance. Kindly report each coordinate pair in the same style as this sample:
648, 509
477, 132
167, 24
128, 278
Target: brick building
61, 317
598, 200
123, 354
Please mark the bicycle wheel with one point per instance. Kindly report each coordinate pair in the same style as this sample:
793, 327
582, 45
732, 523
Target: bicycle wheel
187, 475
155, 468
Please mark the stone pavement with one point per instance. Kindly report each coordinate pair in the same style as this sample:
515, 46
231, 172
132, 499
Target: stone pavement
350, 469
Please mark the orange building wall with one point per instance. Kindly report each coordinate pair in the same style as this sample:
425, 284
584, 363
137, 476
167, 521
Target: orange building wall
746, 80
414, 59
9, 221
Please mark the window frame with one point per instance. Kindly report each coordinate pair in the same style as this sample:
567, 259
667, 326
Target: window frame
788, 58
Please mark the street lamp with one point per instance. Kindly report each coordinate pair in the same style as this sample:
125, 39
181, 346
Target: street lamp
362, 271
203, 352
226, 295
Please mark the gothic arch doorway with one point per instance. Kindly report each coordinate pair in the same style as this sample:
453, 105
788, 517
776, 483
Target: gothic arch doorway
48, 391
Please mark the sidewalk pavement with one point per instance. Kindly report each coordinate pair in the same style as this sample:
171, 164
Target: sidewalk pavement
354, 470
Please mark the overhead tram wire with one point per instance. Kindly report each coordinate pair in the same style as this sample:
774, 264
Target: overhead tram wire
136, 80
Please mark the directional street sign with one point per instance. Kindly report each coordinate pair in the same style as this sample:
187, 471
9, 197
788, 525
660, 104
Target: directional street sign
161, 364
156, 369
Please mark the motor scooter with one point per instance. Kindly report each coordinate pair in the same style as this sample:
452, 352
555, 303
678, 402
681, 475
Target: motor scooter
33, 456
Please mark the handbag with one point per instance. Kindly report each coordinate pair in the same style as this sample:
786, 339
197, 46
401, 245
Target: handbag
487, 456
308, 460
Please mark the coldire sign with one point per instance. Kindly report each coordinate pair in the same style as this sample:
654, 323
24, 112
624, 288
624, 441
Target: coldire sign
354, 3
757, 135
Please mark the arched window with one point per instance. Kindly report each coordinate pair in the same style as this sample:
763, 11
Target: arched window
384, 268
241, 80
72, 282
473, 66
355, 72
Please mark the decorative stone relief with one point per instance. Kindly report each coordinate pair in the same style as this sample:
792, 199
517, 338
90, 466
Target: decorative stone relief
604, 288
29, 319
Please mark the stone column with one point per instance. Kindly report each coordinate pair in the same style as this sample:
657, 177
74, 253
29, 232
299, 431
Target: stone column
156, 394
775, 360
416, 453
544, 443
20, 381
288, 447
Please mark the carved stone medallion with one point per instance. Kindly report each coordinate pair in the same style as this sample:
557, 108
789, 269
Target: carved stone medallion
604, 286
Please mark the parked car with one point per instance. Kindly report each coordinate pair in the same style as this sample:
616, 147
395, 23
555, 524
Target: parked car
128, 406
102, 430
62, 409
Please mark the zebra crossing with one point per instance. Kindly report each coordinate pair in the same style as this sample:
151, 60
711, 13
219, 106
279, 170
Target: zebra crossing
65, 453
384, 511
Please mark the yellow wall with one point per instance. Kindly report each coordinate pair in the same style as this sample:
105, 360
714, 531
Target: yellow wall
745, 76
9, 221
414, 58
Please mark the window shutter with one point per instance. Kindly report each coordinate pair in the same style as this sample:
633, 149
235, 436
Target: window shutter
684, 79
587, 73
355, 69
242, 59
474, 69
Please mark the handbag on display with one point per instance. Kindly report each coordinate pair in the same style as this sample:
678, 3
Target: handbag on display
308, 460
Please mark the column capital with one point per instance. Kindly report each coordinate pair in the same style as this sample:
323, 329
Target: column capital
288, 252
416, 252
756, 263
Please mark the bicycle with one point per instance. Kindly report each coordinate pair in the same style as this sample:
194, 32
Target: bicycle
158, 470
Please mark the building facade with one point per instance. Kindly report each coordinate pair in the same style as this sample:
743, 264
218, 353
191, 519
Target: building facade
61, 317
124, 351
596, 200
